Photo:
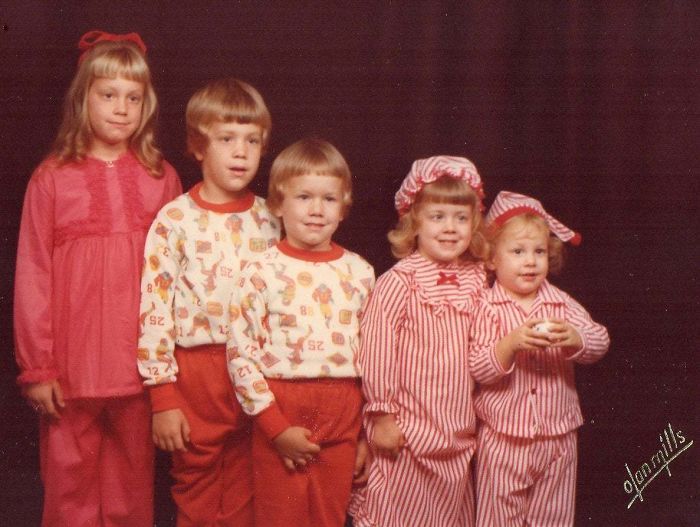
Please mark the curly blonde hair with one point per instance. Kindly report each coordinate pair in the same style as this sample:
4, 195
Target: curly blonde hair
555, 247
444, 190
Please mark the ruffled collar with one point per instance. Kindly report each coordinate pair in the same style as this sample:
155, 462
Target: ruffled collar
458, 285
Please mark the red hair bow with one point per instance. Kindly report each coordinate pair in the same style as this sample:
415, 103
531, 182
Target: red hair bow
89, 39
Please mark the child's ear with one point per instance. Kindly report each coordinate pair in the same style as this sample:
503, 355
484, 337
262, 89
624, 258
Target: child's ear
199, 155
490, 265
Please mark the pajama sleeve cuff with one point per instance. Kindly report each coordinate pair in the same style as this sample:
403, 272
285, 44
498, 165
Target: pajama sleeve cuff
577, 354
272, 421
37, 376
498, 368
380, 407
164, 397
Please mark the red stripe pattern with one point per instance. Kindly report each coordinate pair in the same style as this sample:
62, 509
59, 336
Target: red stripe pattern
426, 171
537, 396
525, 481
414, 364
526, 461
508, 204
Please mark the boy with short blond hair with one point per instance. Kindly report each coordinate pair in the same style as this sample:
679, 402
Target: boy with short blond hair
293, 342
194, 252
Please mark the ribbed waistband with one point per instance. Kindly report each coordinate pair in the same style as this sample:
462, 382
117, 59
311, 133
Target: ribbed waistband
213, 349
317, 380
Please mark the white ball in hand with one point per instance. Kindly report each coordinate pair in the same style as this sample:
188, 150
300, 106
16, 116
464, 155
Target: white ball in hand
544, 327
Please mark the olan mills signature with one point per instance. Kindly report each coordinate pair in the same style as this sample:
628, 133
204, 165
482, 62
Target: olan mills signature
673, 444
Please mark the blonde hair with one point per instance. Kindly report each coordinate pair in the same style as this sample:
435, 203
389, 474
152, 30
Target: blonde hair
444, 190
227, 101
308, 156
108, 60
555, 247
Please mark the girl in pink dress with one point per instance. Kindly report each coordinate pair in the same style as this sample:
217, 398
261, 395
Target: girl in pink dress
419, 417
86, 212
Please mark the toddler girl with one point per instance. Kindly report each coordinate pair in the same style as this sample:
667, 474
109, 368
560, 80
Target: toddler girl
413, 355
526, 338
86, 212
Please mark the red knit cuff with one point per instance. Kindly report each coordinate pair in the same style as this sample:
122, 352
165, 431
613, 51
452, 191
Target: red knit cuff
37, 376
272, 421
164, 397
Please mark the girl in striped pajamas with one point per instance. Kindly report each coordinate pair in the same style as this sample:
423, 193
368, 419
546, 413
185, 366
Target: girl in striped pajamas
526, 338
418, 415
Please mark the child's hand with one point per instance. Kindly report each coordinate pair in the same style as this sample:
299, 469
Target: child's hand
564, 334
295, 448
46, 398
387, 438
522, 338
525, 337
363, 458
171, 431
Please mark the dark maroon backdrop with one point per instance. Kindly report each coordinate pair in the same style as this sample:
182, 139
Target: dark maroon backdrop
592, 108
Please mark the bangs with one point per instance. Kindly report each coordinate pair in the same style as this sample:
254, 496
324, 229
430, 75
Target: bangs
235, 106
448, 190
527, 220
313, 156
245, 115
121, 62
319, 166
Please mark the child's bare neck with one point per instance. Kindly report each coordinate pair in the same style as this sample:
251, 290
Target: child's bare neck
107, 153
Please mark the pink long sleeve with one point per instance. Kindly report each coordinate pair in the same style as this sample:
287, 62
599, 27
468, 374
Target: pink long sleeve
33, 285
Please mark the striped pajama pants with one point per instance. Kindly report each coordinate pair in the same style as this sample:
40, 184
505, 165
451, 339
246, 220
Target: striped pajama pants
522, 481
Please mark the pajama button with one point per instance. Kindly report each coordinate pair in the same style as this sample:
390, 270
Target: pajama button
533, 391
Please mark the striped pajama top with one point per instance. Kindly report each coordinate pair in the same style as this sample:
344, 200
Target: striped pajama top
413, 356
413, 353
537, 395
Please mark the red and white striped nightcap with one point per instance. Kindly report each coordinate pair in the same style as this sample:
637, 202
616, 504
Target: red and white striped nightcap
508, 204
424, 171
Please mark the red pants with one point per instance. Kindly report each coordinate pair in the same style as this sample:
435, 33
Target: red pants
521, 481
97, 464
213, 479
318, 494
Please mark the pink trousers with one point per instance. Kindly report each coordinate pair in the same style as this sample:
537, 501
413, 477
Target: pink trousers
97, 464
522, 481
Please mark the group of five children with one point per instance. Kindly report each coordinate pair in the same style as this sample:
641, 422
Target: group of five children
289, 387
